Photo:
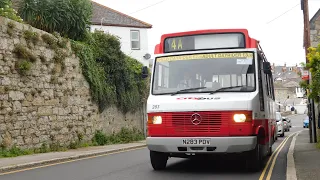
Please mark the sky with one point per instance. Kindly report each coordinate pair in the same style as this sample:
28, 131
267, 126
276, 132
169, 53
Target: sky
278, 24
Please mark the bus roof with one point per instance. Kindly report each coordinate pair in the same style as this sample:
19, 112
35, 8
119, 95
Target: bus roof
249, 42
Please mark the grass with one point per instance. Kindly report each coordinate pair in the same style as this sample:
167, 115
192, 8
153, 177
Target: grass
99, 139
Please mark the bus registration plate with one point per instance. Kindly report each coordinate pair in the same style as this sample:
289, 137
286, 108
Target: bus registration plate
196, 141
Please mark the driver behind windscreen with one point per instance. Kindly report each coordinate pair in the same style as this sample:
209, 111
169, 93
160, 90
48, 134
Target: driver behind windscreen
187, 81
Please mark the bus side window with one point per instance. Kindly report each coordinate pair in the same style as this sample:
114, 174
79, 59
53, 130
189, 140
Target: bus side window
260, 73
270, 80
269, 84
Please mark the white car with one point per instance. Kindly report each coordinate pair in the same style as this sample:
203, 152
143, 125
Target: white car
286, 124
289, 122
280, 124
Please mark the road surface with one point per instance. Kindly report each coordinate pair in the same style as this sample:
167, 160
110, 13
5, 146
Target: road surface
135, 165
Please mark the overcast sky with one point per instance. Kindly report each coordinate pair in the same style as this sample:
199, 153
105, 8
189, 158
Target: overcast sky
281, 37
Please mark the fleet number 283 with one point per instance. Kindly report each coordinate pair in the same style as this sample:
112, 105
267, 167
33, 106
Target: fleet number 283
155, 106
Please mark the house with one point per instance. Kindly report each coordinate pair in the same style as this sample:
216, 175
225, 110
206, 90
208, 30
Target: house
133, 33
286, 82
315, 29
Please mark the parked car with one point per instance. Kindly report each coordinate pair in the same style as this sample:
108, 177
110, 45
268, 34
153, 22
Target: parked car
280, 124
289, 122
306, 122
286, 126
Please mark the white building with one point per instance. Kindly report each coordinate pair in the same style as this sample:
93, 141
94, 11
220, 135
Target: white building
133, 33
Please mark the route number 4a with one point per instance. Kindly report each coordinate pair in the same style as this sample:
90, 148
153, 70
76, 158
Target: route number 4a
174, 44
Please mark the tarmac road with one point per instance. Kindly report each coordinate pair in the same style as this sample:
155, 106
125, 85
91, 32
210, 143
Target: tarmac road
135, 165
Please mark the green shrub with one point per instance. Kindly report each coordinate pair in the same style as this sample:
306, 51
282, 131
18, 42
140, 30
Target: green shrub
67, 17
7, 11
101, 92
24, 53
124, 136
23, 66
31, 36
114, 77
314, 67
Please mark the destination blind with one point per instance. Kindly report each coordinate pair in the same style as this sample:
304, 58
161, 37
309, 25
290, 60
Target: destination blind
204, 42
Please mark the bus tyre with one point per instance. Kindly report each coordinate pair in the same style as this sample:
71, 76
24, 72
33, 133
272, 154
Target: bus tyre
270, 151
282, 135
254, 159
158, 160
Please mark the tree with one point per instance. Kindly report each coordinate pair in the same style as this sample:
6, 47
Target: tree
70, 18
314, 67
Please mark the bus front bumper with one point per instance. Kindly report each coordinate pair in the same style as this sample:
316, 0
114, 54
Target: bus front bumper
201, 144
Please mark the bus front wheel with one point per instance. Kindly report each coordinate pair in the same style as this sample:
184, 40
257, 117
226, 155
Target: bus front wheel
254, 159
158, 160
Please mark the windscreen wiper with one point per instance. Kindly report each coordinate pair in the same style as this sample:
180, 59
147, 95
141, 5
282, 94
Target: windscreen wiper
225, 88
189, 89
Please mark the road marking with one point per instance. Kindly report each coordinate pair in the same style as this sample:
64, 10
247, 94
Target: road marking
291, 169
275, 158
273, 154
64, 162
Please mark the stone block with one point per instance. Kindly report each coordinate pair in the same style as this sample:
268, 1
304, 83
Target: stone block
45, 111
38, 101
16, 95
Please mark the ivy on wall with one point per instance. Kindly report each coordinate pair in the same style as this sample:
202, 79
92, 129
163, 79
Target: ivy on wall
114, 77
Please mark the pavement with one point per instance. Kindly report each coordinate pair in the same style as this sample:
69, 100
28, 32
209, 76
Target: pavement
20, 162
306, 157
131, 161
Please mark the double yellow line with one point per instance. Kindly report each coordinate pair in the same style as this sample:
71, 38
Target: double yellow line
274, 158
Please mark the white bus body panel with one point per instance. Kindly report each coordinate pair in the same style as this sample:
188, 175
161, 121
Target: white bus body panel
222, 101
219, 101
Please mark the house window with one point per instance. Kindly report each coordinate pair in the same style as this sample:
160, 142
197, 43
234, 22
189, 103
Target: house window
135, 40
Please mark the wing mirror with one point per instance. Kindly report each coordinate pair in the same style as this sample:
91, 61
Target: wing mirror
144, 72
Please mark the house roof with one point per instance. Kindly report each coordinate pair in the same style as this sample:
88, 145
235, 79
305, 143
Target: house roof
278, 73
288, 78
114, 18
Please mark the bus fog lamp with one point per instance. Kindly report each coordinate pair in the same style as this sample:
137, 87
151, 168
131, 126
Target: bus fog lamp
239, 118
157, 120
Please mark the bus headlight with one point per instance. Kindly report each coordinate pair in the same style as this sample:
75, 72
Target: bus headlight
239, 118
157, 120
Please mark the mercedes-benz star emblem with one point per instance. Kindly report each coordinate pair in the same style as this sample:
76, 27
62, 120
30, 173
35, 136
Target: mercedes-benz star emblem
196, 119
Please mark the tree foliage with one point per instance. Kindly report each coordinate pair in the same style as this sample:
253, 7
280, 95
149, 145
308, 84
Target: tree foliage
67, 17
314, 67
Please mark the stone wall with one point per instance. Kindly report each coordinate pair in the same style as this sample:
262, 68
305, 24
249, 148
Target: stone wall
281, 94
315, 31
47, 104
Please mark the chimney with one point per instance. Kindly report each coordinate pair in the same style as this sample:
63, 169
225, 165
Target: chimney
284, 69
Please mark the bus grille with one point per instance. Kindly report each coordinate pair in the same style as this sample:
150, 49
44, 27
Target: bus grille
210, 121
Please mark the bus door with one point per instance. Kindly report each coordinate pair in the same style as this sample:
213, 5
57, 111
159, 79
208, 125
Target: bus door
266, 87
